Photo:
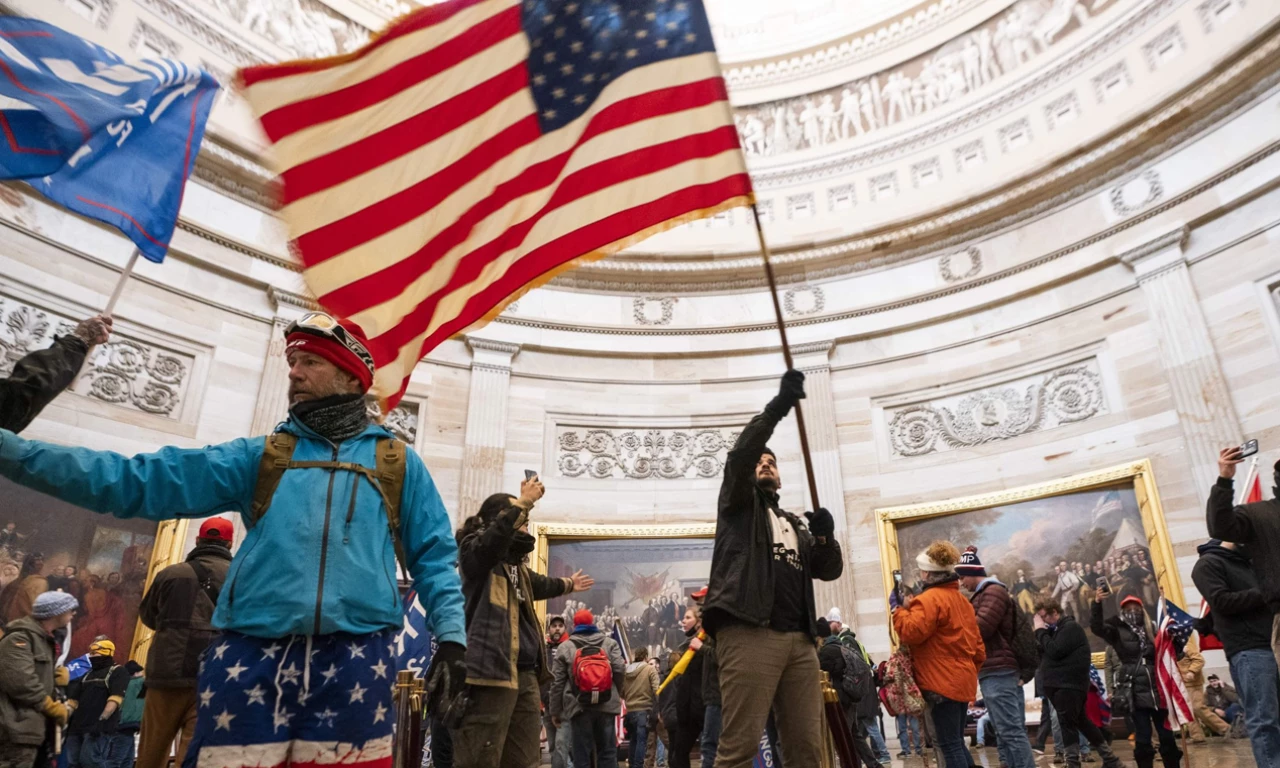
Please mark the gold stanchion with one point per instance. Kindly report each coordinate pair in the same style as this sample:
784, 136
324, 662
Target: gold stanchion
407, 752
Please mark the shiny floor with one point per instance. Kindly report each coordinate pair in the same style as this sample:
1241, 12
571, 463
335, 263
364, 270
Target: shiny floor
1231, 753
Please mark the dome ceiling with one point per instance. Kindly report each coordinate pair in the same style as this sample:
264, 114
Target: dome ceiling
755, 29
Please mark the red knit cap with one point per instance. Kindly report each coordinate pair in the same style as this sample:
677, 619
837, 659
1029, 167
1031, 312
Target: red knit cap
356, 361
583, 617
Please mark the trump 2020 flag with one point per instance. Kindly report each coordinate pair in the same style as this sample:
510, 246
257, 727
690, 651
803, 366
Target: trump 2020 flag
110, 139
477, 147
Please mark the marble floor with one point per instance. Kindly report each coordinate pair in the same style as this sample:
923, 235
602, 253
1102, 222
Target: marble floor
1215, 754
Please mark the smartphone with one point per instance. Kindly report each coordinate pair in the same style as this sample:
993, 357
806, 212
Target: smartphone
1248, 449
529, 474
1104, 586
897, 581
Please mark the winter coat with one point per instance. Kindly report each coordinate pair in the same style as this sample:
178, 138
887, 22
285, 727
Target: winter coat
690, 706
942, 632
868, 706
27, 659
1136, 663
493, 607
1192, 663
563, 702
640, 686
1219, 698
1065, 657
831, 661
994, 610
710, 673
1257, 525
37, 379
1227, 580
741, 586
314, 563
180, 611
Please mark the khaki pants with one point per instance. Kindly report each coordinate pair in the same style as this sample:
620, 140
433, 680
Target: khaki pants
651, 747
501, 728
17, 756
761, 669
1205, 716
167, 714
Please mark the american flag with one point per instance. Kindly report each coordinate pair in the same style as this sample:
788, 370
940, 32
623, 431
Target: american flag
1173, 629
477, 147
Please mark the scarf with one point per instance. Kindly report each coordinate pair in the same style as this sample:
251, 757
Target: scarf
586, 629
521, 545
1140, 630
335, 418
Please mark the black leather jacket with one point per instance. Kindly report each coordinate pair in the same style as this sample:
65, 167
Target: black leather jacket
37, 379
741, 587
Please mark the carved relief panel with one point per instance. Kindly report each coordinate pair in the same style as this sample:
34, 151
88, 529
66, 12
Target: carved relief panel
642, 453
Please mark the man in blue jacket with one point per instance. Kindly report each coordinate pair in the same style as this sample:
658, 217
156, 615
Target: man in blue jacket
303, 669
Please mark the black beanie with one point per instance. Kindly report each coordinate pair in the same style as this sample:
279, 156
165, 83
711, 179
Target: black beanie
769, 451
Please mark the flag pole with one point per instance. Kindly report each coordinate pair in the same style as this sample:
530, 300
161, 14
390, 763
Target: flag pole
786, 353
1248, 481
124, 278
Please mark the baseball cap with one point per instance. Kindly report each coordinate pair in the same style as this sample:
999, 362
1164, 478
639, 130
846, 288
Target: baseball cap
218, 528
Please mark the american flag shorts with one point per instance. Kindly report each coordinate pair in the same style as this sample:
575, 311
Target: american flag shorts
302, 700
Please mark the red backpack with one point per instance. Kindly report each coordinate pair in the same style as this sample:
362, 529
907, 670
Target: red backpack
592, 674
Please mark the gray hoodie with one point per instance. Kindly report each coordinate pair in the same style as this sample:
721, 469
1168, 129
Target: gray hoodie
563, 701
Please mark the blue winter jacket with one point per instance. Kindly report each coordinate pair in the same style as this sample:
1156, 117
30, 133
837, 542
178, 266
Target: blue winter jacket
313, 564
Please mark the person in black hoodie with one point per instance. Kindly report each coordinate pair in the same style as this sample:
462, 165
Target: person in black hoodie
1064, 673
93, 731
760, 605
691, 708
1131, 635
42, 375
1241, 619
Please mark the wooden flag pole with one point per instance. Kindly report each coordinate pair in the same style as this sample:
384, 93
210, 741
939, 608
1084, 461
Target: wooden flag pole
124, 278
786, 355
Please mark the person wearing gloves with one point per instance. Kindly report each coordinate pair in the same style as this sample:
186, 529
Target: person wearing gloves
501, 724
94, 738
27, 659
941, 630
42, 375
760, 606
311, 606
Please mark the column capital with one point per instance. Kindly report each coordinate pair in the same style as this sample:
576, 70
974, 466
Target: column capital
812, 356
1151, 257
290, 304
492, 354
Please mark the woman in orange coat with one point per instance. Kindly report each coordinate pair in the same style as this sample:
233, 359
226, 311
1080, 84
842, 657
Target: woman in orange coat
941, 630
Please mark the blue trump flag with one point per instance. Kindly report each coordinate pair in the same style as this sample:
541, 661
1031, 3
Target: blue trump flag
110, 139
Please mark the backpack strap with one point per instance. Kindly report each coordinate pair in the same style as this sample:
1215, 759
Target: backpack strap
203, 578
277, 453
390, 470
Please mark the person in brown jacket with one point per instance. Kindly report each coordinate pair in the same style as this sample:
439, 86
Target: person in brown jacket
941, 630
1001, 688
1191, 667
640, 693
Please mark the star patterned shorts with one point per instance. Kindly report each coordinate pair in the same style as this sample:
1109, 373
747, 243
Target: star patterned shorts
301, 700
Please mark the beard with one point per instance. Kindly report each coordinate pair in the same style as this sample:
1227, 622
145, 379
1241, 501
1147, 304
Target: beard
769, 484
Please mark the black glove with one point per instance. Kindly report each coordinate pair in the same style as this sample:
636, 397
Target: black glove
792, 389
446, 679
821, 523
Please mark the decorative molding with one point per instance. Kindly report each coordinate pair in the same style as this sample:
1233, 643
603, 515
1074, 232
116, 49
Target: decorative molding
640, 307
949, 266
1158, 50
123, 372
1030, 404
279, 296
966, 150
1062, 110
883, 186
1102, 83
305, 28
803, 300
1015, 135
643, 453
491, 345
801, 202
841, 197
192, 25
926, 172
1138, 257
102, 12
144, 31
812, 348
401, 422
1213, 12
1136, 193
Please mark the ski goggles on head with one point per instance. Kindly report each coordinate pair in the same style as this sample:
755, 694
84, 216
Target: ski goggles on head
326, 327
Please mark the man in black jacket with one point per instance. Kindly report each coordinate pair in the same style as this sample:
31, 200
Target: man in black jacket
41, 376
1064, 672
1242, 621
760, 605
1255, 525
179, 607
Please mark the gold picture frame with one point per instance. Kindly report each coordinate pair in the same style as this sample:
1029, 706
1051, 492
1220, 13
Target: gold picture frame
545, 532
1139, 473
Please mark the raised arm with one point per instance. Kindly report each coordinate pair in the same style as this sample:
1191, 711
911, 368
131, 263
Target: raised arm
432, 554
170, 483
545, 587
1109, 634
1226, 521
740, 464
37, 379
481, 551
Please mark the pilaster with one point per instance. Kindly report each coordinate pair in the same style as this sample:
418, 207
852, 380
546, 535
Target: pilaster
484, 448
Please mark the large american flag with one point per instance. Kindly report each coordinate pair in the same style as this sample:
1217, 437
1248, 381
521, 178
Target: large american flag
479, 146
1173, 629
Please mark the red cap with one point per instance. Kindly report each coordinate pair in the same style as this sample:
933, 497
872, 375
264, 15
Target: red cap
359, 366
1131, 599
583, 617
218, 528
700, 595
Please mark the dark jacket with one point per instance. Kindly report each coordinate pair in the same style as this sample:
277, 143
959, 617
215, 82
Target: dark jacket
106, 681
994, 609
831, 661
710, 673
37, 379
493, 607
1257, 525
564, 702
1227, 581
690, 706
1064, 656
1137, 660
27, 655
180, 611
1220, 698
741, 587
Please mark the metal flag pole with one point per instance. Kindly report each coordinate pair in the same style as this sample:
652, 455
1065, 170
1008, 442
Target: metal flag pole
124, 278
786, 355
1248, 481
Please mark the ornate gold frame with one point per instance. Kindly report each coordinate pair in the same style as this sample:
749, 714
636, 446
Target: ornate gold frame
170, 548
545, 532
1144, 487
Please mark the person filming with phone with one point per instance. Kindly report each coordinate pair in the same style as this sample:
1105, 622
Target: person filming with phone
1256, 525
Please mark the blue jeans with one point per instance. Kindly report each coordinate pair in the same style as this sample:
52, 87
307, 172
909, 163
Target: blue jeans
877, 739
104, 750
711, 726
909, 731
981, 728
1007, 708
594, 733
1255, 676
636, 725
946, 721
